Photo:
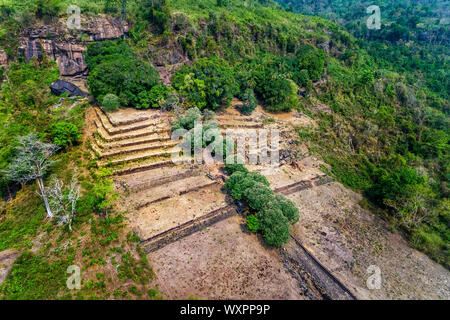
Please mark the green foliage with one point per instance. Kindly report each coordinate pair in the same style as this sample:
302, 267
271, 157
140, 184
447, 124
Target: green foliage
114, 68
208, 83
98, 197
240, 181
273, 213
47, 8
32, 277
281, 96
277, 91
287, 207
22, 223
249, 102
154, 98
28, 85
235, 164
310, 59
257, 195
187, 120
393, 185
65, 134
253, 223
431, 241
111, 102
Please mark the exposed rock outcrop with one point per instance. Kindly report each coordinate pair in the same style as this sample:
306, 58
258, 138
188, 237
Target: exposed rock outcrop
60, 86
66, 46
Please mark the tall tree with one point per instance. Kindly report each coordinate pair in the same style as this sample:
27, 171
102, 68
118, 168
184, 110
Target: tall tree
32, 161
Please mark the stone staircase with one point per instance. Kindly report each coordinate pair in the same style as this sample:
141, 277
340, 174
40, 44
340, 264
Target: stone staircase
164, 200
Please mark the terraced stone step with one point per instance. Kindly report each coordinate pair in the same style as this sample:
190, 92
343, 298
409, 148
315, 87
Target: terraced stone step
166, 179
138, 156
304, 184
129, 135
131, 142
111, 130
238, 119
178, 190
120, 123
138, 148
239, 131
174, 234
142, 166
241, 125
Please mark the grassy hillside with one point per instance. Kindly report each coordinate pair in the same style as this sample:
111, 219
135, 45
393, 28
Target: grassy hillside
384, 134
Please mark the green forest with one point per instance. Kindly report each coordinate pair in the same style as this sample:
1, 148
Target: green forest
386, 135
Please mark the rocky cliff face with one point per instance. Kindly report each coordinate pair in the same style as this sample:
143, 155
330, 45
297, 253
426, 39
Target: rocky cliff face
66, 46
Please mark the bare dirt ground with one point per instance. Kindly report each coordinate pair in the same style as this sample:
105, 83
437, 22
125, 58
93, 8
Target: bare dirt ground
225, 262
7, 259
222, 262
348, 239
167, 214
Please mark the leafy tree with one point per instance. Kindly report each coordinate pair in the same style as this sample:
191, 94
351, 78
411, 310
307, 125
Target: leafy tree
274, 226
249, 102
47, 8
111, 102
287, 207
32, 162
106, 51
233, 164
28, 84
258, 195
64, 134
116, 70
208, 83
240, 183
253, 223
154, 98
234, 184
277, 92
311, 59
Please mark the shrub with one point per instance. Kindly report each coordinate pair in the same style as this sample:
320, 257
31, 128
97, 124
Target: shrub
249, 102
111, 102
253, 223
154, 98
274, 226
234, 183
114, 68
33, 278
430, 242
233, 165
288, 208
258, 195
98, 197
187, 120
64, 134
208, 83
311, 59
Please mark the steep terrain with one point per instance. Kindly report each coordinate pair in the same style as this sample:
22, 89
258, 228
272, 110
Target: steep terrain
363, 155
